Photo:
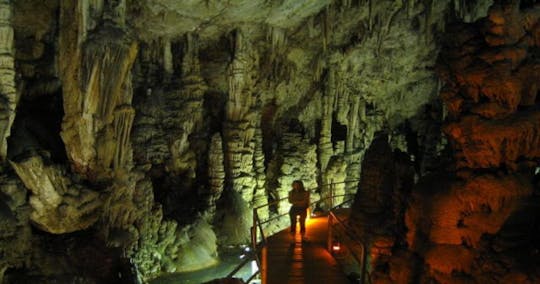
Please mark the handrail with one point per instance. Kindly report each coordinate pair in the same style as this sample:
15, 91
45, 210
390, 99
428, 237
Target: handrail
352, 236
257, 247
322, 185
310, 206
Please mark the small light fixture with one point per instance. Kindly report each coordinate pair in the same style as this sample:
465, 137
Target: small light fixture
336, 246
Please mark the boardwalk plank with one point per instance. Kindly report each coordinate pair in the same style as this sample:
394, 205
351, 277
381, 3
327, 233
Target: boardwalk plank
289, 260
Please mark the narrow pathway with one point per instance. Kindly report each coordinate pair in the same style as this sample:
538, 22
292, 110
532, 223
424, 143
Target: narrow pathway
289, 260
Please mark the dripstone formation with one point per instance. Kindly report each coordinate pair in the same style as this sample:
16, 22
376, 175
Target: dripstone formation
137, 136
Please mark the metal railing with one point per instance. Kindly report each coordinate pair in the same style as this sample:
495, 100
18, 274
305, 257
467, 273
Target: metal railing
362, 258
258, 247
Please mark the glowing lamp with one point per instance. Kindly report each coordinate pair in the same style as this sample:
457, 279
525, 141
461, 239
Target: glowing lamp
336, 247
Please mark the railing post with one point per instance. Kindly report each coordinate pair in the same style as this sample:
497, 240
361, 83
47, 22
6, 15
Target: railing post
364, 263
329, 240
332, 195
263, 267
254, 227
253, 238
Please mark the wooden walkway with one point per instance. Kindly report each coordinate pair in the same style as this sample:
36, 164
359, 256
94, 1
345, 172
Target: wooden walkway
289, 260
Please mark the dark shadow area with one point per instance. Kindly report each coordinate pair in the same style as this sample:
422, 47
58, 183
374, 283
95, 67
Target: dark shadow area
37, 127
339, 131
527, 4
177, 195
269, 140
70, 258
518, 241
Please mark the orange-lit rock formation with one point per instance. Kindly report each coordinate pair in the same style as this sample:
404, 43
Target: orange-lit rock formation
463, 223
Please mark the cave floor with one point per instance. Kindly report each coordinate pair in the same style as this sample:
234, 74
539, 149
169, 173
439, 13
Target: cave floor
289, 260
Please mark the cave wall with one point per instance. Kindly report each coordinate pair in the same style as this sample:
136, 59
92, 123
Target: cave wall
471, 221
146, 131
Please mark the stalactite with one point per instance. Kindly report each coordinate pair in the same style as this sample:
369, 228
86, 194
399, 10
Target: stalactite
353, 118
311, 27
279, 39
325, 140
8, 91
318, 67
123, 122
105, 68
410, 8
190, 62
94, 68
167, 57
397, 8
370, 16
342, 94
325, 29
238, 103
428, 20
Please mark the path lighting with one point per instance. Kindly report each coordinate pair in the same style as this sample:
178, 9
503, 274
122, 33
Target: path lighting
336, 247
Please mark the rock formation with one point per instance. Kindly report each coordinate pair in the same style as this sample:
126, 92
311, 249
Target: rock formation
138, 136
58, 205
8, 91
458, 219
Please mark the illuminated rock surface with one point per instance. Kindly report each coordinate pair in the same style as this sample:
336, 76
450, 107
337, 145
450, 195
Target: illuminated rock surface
467, 221
136, 136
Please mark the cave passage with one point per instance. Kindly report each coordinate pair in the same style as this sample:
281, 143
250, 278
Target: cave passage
157, 141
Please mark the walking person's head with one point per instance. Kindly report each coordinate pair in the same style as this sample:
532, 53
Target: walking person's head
298, 185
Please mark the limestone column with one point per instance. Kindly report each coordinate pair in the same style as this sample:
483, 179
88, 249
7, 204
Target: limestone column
241, 120
353, 154
8, 91
326, 149
188, 107
260, 197
216, 172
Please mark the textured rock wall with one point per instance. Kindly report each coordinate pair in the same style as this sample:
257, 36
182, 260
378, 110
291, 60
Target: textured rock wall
8, 91
147, 131
463, 221
379, 206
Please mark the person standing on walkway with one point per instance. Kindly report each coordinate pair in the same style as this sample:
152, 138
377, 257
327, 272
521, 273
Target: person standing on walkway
299, 198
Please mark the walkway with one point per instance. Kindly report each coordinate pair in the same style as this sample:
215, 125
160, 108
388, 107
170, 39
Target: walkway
294, 261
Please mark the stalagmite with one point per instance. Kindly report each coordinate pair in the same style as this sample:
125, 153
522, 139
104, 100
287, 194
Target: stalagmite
260, 195
216, 172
